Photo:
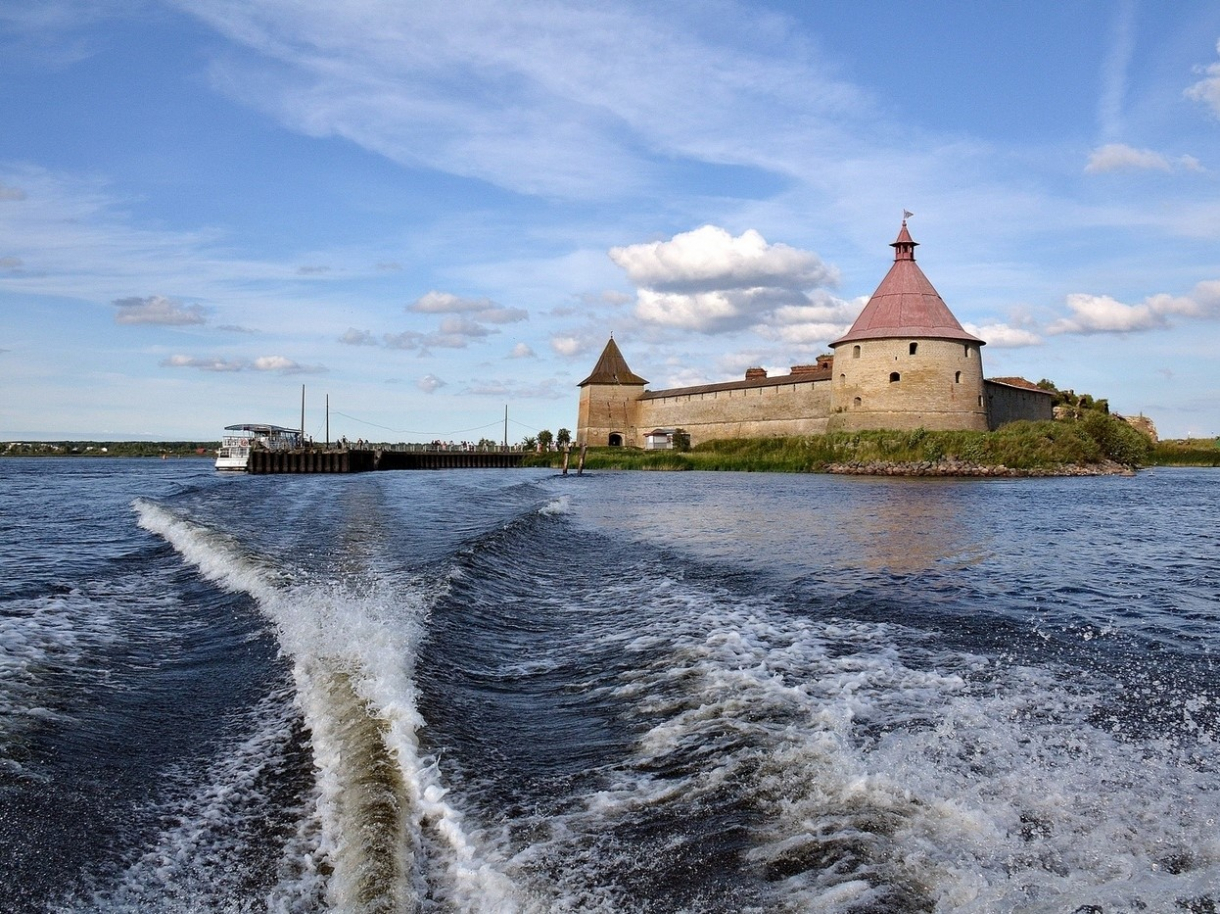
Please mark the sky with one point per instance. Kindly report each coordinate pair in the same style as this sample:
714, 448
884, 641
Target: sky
429, 215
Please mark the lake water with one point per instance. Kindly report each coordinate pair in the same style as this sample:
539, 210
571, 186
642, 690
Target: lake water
500, 691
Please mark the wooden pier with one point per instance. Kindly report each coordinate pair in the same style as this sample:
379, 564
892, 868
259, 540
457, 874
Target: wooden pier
354, 460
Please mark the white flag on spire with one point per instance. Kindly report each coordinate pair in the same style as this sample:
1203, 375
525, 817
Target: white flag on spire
907, 214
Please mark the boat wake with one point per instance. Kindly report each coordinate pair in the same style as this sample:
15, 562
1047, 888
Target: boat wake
388, 839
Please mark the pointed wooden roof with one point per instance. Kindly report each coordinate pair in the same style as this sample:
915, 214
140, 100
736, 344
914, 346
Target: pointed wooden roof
906, 304
612, 368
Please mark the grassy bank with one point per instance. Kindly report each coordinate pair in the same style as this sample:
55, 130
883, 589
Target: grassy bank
1187, 452
1047, 447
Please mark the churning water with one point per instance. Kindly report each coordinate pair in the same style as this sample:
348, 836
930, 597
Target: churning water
510, 691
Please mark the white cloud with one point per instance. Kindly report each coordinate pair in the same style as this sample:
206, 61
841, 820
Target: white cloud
262, 363
464, 324
1103, 314
709, 258
10, 194
551, 98
570, 345
1120, 157
448, 303
710, 281
204, 364
354, 337
522, 351
480, 309
821, 320
1207, 90
1003, 336
157, 309
429, 383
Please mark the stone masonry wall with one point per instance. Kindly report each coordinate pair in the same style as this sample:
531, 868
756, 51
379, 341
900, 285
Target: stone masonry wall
1008, 404
801, 408
939, 386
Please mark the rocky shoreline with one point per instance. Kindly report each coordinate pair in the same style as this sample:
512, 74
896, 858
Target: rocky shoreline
953, 467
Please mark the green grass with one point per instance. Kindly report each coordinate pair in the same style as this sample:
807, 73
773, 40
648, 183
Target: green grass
1188, 452
1036, 446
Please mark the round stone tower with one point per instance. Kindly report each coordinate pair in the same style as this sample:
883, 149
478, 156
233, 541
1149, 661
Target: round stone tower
906, 362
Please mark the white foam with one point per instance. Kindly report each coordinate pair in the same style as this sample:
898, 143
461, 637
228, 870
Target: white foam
352, 644
560, 505
883, 772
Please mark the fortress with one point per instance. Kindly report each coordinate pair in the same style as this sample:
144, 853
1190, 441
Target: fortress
906, 363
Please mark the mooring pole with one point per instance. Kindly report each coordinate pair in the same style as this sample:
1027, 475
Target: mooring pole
567, 455
328, 422
302, 415
580, 467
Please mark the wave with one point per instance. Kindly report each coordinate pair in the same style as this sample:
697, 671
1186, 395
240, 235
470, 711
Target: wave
390, 838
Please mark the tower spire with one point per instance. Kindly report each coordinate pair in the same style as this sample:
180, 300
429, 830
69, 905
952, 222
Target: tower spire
904, 246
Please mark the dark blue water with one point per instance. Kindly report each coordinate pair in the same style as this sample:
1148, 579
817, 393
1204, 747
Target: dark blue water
511, 691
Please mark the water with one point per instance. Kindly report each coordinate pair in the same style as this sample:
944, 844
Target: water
509, 691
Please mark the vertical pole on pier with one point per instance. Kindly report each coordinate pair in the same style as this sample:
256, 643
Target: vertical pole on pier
506, 425
328, 421
302, 415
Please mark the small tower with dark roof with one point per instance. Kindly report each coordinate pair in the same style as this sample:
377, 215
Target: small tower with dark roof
906, 362
608, 402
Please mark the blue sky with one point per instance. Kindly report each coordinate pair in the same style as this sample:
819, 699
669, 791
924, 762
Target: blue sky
429, 212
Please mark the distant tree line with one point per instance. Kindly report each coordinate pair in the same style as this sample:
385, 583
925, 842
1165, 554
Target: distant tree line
109, 448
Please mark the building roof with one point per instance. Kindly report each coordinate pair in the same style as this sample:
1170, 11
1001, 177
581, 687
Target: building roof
797, 377
1021, 383
906, 304
612, 368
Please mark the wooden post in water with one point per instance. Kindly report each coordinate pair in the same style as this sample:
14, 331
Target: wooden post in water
567, 455
580, 467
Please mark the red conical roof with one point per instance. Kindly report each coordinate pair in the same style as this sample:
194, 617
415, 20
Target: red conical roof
905, 304
612, 368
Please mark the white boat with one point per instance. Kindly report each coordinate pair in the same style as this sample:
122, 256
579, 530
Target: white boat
234, 453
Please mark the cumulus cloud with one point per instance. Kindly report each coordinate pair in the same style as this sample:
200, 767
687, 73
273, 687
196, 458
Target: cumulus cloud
1103, 314
429, 383
157, 309
822, 319
1207, 90
709, 259
481, 309
354, 337
570, 345
466, 321
204, 364
711, 281
1003, 336
10, 263
522, 351
262, 363
312, 270
10, 194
